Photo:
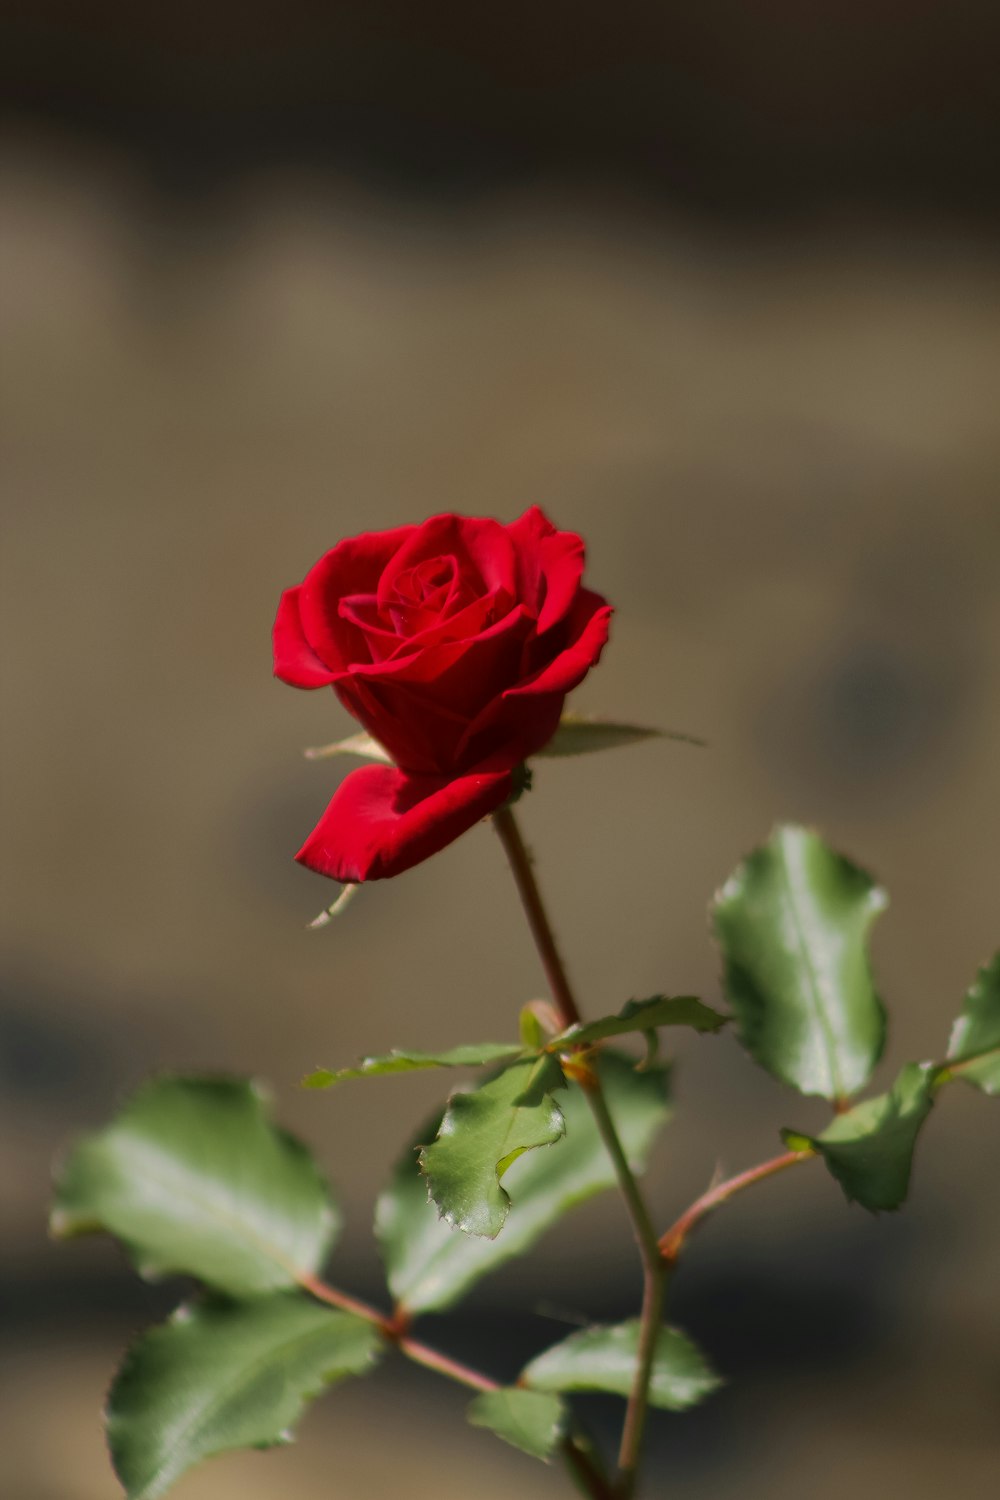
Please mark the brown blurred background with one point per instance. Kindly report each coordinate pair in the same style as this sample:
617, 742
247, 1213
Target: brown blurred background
716, 285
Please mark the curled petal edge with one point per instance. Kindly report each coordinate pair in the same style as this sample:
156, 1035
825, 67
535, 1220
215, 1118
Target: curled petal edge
383, 821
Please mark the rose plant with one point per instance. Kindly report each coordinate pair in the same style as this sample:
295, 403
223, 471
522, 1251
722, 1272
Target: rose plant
454, 644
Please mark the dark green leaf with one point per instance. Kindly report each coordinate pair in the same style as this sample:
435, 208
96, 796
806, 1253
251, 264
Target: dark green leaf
870, 1148
577, 735
472, 1056
530, 1420
431, 1267
605, 1359
974, 1051
482, 1134
224, 1375
645, 1015
793, 923
362, 745
193, 1178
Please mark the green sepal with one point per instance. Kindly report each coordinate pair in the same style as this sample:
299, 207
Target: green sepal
361, 745
645, 1016
194, 1179
472, 1056
793, 924
533, 1421
336, 908
974, 1049
430, 1267
531, 1030
606, 1358
222, 1375
869, 1149
482, 1134
580, 735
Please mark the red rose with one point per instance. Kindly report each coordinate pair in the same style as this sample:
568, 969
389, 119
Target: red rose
454, 643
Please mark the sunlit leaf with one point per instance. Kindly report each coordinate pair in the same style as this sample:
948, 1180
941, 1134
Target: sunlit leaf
531, 1420
578, 735
793, 924
974, 1051
223, 1375
430, 1266
193, 1177
472, 1056
482, 1134
645, 1015
869, 1149
605, 1359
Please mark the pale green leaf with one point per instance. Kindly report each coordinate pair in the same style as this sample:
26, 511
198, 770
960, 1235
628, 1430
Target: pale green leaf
361, 745
193, 1178
475, 1055
430, 1267
869, 1149
530, 1420
482, 1134
644, 1015
605, 1359
224, 1375
974, 1051
578, 735
793, 924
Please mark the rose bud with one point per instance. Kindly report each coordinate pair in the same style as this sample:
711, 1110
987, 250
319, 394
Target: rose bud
454, 644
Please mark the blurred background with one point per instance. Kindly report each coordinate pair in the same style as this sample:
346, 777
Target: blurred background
716, 285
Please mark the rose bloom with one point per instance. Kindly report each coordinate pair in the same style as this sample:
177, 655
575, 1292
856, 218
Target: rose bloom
454, 644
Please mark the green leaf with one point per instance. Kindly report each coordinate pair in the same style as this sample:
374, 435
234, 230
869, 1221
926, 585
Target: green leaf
793, 923
223, 1375
578, 735
193, 1178
869, 1150
645, 1015
472, 1056
974, 1050
482, 1134
530, 1420
605, 1359
430, 1267
362, 745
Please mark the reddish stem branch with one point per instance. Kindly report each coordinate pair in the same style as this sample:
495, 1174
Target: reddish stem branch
443, 1364
394, 1330
347, 1303
672, 1242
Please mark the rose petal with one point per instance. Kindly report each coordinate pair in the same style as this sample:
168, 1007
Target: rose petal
353, 567
525, 717
382, 821
481, 548
550, 566
295, 662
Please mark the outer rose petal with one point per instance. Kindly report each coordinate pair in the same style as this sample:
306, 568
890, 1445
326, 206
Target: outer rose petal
295, 661
382, 821
354, 566
525, 717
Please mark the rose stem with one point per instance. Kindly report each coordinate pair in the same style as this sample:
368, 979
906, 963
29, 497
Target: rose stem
672, 1242
654, 1269
575, 1452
